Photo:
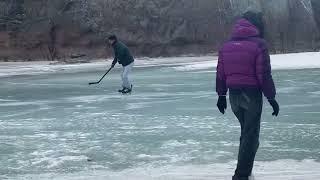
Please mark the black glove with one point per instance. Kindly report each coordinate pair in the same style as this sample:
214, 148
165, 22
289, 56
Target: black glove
112, 66
222, 104
275, 107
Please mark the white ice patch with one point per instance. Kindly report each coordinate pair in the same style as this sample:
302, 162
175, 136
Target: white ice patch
55, 162
197, 66
7, 100
277, 170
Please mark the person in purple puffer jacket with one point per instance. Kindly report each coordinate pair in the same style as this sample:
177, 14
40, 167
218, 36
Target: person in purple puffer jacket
244, 69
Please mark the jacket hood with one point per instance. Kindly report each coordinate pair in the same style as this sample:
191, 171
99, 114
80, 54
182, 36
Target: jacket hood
115, 43
243, 28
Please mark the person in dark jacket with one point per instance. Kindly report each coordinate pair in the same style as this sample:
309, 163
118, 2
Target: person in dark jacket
244, 69
122, 56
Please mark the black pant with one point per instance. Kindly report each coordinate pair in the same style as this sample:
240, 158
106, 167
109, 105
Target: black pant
247, 104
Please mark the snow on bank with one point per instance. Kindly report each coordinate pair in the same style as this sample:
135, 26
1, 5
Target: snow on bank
277, 170
283, 61
8, 69
296, 61
307, 60
42, 67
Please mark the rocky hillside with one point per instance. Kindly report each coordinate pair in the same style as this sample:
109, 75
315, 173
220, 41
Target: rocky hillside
59, 29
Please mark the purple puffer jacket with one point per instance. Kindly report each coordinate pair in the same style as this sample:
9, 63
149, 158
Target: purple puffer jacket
244, 62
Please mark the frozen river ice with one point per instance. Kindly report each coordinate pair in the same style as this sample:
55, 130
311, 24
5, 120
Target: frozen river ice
169, 128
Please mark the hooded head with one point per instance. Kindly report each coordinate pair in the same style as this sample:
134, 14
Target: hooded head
250, 25
112, 39
255, 18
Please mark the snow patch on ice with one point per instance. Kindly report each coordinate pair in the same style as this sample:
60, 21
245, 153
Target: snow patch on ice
279, 170
55, 162
197, 66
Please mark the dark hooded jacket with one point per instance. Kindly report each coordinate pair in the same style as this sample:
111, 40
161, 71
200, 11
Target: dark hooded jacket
122, 54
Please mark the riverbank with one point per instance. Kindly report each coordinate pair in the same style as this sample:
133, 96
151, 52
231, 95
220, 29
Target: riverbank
307, 60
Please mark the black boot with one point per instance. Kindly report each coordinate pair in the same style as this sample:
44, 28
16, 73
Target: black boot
122, 90
127, 90
239, 178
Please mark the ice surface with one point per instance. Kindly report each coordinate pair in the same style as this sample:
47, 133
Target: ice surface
277, 170
51, 124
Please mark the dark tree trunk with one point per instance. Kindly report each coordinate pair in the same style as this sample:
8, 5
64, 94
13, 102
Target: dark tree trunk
52, 40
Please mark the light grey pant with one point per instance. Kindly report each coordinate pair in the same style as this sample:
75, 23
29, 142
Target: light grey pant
125, 76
